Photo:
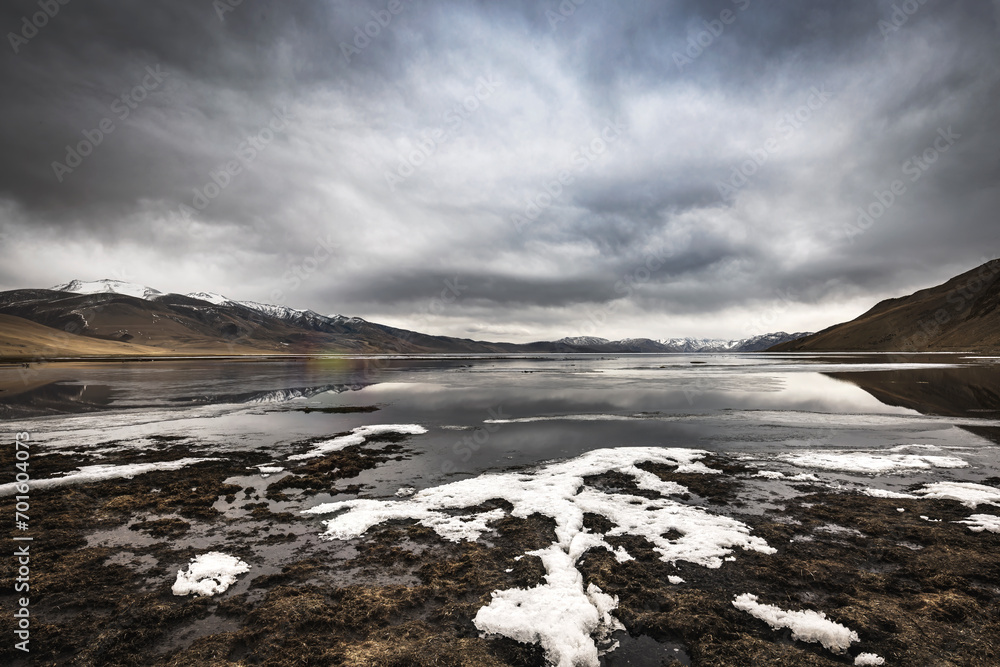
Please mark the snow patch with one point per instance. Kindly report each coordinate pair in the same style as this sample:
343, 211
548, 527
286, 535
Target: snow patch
99, 473
869, 660
697, 467
869, 463
550, 418
883, 493
211, 297
357, 437
209, 574
560, 614
806, 626
979, 522
108, 286
969, 494
674, 579
915, 447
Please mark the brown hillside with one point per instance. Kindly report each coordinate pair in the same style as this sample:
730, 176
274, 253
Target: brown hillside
958, 315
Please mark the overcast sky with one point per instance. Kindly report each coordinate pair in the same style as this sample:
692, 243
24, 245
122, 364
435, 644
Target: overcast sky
506, 170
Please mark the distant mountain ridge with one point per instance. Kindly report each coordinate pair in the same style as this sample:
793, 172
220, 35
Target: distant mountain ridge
684, 345
145, 321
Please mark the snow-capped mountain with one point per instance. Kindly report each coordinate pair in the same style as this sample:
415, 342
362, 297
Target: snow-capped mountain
680, 345
699, 344
108, 286
211, 297
296, 315
751, 344
307, 318
584, 340
769, 340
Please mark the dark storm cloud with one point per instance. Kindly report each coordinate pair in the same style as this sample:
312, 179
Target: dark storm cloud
278, 151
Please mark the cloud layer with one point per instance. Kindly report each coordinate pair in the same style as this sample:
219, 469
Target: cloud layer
512, 171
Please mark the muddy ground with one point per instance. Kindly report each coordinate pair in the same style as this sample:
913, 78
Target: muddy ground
105, 556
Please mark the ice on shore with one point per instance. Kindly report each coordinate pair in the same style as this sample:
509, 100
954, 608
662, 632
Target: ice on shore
357, 436
979, 522
561, 614
885, 493
100, 473
870, 463
576, 418
209, 574
773, 474
969, 494
915, 447
806, 625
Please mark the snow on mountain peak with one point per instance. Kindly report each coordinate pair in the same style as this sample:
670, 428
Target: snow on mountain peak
584, 340
211, 297
108, 286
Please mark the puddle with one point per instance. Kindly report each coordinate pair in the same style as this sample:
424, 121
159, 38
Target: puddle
644, 651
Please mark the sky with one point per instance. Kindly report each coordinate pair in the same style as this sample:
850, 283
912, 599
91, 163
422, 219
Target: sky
506, 170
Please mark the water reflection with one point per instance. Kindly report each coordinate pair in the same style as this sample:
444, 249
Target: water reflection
492, 413
966, 391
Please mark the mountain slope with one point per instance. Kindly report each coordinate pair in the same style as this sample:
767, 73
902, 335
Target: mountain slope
23, 339
958, 315
187, 325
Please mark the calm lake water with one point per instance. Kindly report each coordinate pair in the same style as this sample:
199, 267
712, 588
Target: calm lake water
492, 413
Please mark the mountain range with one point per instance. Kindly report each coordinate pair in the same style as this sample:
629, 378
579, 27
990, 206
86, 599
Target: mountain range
115, 318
